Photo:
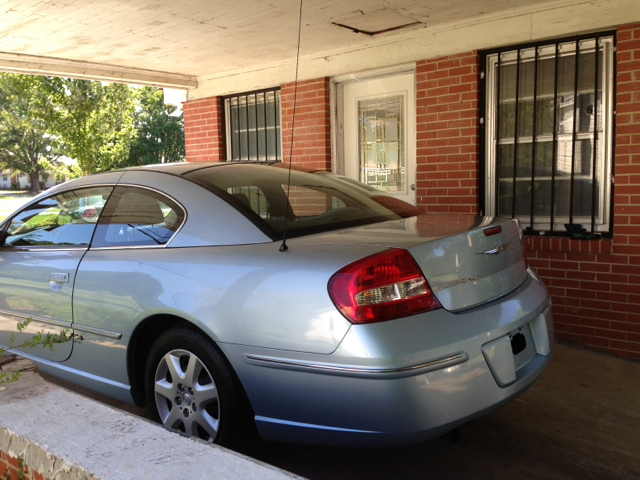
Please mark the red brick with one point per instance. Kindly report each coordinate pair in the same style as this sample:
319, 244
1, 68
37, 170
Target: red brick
624, 307
626, 269
579, 329
628, 45
614, 297
582, 275
570, 303
595, 267
312, 136
625, 346
588, 294
605, 287
561, 282
596, 304
581, 257
14, 462
456, 124
594, 322
203, 121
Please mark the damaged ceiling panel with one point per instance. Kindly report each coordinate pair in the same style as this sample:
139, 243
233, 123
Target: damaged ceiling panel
376, 22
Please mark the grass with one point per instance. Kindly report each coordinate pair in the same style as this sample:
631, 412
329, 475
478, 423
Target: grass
10, 194
10, 201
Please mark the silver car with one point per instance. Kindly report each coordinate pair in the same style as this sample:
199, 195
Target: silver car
376, 325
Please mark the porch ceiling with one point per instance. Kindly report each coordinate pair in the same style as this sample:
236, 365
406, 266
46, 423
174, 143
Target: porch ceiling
171, 43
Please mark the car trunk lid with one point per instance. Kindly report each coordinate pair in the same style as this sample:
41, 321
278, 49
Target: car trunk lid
467, 260
475, 266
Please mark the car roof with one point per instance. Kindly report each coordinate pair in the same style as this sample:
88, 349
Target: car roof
183, 168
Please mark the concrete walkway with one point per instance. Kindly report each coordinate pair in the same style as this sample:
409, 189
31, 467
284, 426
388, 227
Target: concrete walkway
66, 436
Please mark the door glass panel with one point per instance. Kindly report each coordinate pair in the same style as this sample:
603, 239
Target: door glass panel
381, 133
61, 220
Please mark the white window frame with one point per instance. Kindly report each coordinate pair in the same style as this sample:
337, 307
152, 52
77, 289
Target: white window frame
602, 214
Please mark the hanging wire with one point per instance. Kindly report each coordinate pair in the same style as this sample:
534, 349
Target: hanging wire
283, 247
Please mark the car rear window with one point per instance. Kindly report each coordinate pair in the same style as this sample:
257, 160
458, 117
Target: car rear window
317, 201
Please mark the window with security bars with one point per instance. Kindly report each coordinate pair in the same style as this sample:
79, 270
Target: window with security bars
549, 134
253, 126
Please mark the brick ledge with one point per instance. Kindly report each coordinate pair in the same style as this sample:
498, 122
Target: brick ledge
566, 244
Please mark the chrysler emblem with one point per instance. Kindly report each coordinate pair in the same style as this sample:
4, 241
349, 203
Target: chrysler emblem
495, 250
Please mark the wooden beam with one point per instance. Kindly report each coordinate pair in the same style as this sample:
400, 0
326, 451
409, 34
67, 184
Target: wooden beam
35, 65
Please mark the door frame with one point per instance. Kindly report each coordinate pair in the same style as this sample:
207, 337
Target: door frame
337, 105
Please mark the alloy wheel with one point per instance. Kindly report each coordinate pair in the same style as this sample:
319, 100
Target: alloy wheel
186, 395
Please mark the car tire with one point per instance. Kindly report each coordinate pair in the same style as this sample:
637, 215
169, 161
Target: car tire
191, 387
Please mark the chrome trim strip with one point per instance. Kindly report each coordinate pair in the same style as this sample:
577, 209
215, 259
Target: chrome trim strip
130, 247
37, 318
62, 248
440, 363
260, 418
98, 331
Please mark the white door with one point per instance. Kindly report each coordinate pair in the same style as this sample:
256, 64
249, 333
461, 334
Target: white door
377, 133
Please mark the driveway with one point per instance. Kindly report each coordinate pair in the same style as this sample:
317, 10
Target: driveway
580, 420
10, 200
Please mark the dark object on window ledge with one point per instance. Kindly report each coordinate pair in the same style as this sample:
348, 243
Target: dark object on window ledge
577, 231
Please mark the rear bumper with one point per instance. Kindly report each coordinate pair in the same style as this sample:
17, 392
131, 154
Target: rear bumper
398, 382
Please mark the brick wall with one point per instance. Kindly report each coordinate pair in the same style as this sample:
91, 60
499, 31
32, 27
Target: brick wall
595, 285
435, 225
11, 467
447, 133
312, 135
312, 138
203, 130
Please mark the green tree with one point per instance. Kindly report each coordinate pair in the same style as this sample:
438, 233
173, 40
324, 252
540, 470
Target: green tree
92, 122
159, 135
24, 139
101, 125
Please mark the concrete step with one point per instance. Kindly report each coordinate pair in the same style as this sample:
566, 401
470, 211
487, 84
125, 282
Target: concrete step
62, 435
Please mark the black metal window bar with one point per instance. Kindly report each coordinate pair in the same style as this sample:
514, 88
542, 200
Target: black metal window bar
253, 126
549, 134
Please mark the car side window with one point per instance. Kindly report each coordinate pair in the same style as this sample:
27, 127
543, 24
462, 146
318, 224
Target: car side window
66, 219
137, 217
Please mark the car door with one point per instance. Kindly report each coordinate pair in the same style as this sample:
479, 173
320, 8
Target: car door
118, 279
40, 249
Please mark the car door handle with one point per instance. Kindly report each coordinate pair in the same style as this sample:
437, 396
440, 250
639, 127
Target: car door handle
59, 277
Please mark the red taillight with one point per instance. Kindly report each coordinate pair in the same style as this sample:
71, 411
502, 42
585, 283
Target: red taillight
89, 213
381, 287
